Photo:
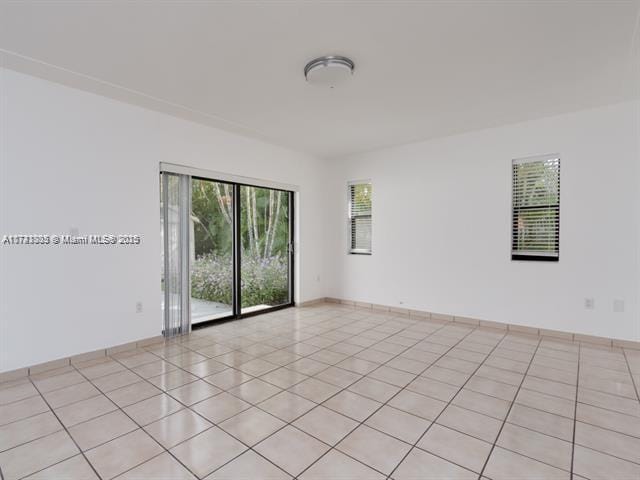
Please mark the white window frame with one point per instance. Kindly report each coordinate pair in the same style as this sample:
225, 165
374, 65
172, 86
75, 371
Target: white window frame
350, 250
534, 255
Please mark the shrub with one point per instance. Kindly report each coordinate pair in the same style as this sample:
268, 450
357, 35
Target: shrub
264, 280
211, 277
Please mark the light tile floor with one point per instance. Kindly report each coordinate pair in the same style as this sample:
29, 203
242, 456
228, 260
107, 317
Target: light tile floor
330, 392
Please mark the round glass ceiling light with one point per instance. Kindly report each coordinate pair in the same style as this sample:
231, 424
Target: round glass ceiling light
329, 71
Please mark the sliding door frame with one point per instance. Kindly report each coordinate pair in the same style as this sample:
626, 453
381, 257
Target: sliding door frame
232, 315
290, 253
236, 307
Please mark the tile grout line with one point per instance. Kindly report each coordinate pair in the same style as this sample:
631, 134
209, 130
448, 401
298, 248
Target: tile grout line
406, 326
370, 328
290, 423
400, 316
177, 366
68, 434
339, 307
495, 441
622, 459
633, 382
185, 406
213, 424
258, 330
34, 438
449, 403
345, 388
283, 366
140, 427
519, 426
393, 396
118, 360
575, 413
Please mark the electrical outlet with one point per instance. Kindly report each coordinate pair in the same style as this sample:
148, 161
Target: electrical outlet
589, 303
138, 307
318, 278
618, 305
400, 302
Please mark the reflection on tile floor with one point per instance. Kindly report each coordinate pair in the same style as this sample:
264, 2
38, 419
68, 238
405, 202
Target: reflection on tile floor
327, 392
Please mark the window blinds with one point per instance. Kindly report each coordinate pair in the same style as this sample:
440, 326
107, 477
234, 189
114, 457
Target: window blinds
360, 217
535, 233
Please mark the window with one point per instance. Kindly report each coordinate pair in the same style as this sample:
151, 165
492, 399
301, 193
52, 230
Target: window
360, 218
535, 233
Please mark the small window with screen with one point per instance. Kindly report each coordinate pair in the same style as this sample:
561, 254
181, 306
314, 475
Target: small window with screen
360, 217
535, 229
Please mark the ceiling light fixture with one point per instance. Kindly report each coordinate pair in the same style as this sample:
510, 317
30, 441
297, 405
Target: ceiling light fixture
329, 71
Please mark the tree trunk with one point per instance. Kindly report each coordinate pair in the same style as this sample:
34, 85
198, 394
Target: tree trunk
249, 219
268, 215
225, 208
254, 214
274, 224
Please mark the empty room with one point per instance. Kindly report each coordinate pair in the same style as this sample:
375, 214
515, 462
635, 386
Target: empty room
320, 240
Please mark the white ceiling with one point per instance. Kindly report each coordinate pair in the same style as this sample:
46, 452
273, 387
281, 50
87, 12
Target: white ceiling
423, 69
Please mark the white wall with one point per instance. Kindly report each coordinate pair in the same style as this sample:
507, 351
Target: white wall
441, 220
73, 159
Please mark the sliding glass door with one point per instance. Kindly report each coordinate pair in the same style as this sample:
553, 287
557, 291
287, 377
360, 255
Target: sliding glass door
265, 231
227, 250
211, 249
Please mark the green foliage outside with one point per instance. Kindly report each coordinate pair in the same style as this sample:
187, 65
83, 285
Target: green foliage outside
264, 281
264, 244
362, 196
